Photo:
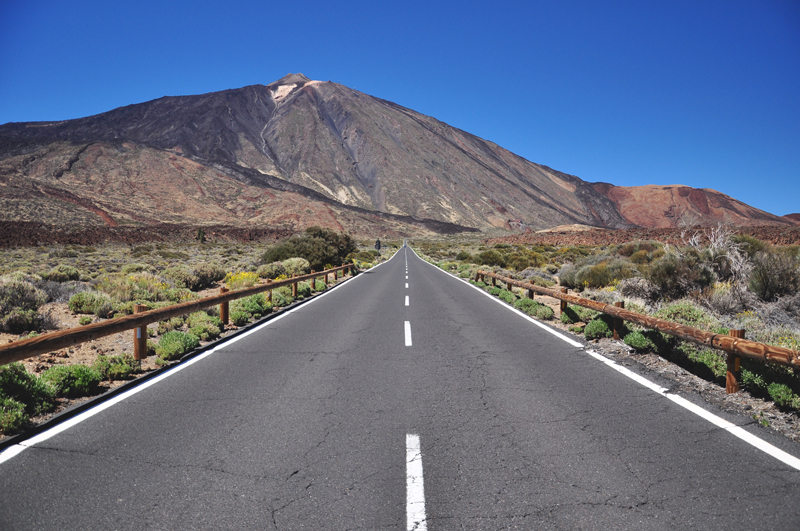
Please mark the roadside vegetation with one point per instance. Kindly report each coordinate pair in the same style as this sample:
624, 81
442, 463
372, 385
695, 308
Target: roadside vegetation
104, 282
716, 280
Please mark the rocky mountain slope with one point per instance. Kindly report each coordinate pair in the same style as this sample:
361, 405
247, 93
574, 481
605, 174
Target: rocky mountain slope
299, 152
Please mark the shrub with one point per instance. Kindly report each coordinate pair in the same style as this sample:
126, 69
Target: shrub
19, 321
181, 277
639, 342
463, 256
574, 314
239, 317
72, 381
494, 290
63, 273
204, 326
303, 290
587, 273
121, 367
85, 320
174, 344
781, 394
19, 293
140, 287
319, 285
242, 279
677, 275
254, 306
272, 271
491, 258
687, 313
317, 246
93, 302
21, 386
749, 244
207, 274
774, 274
135, 267
296, 266
535, 309
596, 329
12, 416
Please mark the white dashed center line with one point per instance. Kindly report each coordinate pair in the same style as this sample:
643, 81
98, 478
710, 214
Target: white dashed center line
406, 300
408, 334
415, 489
406, 285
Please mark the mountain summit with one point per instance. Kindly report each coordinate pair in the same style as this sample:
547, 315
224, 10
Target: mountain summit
299, 152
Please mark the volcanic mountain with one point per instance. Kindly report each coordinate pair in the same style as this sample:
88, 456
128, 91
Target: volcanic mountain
299, 152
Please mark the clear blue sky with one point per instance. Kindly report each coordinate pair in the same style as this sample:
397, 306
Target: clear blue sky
701, 93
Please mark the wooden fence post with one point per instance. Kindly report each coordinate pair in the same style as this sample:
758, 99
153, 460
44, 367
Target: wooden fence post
224, 307
326, 278
734, 366
139, 336
530, 295
294, 288
563, 303
494, 282
269, 293
618, 322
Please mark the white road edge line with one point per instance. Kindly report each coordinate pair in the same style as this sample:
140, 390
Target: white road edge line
16, 449
408, 334
415, 488
718, 421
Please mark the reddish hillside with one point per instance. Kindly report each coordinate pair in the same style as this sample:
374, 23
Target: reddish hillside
675, 206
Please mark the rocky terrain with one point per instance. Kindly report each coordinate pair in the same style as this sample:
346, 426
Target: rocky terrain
297, 153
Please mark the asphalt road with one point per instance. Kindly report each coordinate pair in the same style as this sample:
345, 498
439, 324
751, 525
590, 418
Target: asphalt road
310, 422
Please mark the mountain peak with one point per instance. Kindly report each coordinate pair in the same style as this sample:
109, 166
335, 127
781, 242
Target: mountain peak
291, 79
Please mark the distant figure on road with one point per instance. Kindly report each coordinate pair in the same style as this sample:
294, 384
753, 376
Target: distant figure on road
378, 244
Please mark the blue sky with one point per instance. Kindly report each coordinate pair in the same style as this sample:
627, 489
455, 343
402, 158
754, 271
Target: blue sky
701, 93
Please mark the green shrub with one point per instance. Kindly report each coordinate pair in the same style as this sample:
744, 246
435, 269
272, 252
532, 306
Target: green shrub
688, 314
303, 290
774, 274
748, 244
92, 302
271, 271
535, 309
63, 273
72, 381
781, 394
317, 246
181, 277
495, 290
12, 416
85, 320
463, 256
490, 258
254, 306
121, 367
207, 274
140, 286
135, 267
174, 344
204, 326
596, 329
586, 273
19, 321
18, 293
239, 317
319, 285
507, 296
574, 314
18, 384
676, 276
296, 266
639, 342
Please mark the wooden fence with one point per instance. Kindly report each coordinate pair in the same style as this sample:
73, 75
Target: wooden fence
734, 344
26, 348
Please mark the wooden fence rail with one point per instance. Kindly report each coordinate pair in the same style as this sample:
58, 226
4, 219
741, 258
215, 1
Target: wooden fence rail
26, 348
736, 346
